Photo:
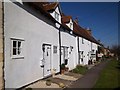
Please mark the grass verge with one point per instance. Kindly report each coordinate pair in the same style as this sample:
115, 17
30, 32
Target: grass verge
109, 76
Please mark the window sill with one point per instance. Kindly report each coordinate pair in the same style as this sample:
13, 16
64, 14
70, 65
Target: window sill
17, 57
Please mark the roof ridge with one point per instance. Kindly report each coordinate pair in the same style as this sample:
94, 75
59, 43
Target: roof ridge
50, 6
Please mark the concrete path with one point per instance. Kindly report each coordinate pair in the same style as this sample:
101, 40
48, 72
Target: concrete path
55, 81
67, 80
90, 78
66, 77
42, 84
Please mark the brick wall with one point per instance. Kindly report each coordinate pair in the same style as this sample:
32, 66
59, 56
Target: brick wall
1, 47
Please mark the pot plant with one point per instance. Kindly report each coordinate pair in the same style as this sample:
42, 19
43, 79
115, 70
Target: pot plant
62, 68
61, 85
53, 72
66, 68
48, 82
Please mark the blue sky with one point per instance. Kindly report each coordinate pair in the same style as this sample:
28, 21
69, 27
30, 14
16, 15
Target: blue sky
101, 17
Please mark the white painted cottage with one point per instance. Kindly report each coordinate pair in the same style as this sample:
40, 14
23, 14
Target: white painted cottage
69, 48
38, 38
68, 41
31, 44
87, 45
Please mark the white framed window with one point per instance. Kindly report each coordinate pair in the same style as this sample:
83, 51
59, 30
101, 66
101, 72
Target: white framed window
17, 48
71, 48
81, 54
71, 25
66, 52
56, 16
55, 49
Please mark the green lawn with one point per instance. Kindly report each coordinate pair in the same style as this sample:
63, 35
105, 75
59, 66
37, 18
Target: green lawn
109, 76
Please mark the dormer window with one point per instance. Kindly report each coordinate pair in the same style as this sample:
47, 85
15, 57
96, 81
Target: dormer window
56, 16
71, 25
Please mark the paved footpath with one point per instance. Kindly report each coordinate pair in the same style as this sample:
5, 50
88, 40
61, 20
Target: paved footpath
90, 78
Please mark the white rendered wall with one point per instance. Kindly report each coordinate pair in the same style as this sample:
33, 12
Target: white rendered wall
95, 48
70, 40
19, 23
86, 48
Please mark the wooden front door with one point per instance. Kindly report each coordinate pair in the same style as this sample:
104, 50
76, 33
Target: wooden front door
47, 60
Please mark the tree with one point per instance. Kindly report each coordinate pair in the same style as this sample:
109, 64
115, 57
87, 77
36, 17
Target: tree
116, 50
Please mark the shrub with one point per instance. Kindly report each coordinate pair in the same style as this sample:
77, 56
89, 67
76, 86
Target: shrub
48, 82
80, 69
62, 66
61, 85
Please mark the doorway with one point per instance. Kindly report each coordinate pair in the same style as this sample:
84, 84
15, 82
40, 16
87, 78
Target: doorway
64, 54
46, 59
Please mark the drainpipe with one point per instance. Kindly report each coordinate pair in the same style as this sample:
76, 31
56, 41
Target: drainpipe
3, 46
78, 50
60, 48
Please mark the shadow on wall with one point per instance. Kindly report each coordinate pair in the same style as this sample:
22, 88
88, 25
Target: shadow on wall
37, 12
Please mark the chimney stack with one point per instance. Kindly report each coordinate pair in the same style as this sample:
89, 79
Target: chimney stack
99, 41
89, 31
76, 20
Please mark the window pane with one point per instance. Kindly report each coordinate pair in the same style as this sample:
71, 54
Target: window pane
56, 16
19, 47
14, 51
70, 25
14, 43
54, 49
19, 44
82, 41
66, 53
19, 51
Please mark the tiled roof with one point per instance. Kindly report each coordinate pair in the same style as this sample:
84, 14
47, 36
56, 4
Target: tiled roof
83, 33
65, 19
43, 7
50, 6
39, 6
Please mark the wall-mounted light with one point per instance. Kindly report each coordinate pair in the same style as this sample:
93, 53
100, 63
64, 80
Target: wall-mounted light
93, 50
71, 48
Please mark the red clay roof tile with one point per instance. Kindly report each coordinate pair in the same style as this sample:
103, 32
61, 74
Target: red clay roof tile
83, 33
65, 19
50, 6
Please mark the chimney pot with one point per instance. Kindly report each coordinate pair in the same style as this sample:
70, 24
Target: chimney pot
89, 31
76, 20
